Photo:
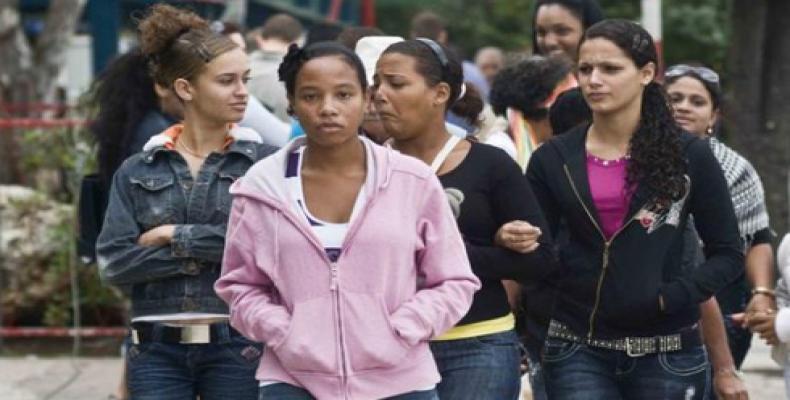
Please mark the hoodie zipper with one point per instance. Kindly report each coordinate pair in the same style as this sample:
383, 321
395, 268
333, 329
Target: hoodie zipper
334, 288
605, 257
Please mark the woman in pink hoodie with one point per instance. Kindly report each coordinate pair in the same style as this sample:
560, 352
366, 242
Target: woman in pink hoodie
342, 256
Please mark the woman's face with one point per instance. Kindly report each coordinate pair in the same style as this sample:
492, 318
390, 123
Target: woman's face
219, 92
609, 79
404, 100
558, 31
692, 104
372, 124
328, 100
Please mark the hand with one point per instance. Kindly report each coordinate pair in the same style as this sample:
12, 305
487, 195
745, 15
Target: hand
740, 319
760, 303
763, 325
519, 236
159, 236
728, 385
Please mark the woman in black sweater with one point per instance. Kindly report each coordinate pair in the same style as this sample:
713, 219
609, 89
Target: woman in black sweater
625, 323
416, 81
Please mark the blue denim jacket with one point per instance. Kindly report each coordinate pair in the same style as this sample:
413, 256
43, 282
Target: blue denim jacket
156, 188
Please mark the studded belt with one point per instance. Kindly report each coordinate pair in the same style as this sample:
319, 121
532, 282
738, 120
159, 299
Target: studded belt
633, 346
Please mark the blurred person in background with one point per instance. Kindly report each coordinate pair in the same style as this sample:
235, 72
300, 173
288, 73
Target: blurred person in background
276, 34
695, 94
774, 327
489, 60
523, 93
558, 25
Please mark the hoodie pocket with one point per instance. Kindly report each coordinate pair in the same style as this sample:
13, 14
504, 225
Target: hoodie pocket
371, 340
312, 342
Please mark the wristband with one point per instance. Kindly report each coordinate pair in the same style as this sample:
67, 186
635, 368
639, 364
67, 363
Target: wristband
728, 371
764, 291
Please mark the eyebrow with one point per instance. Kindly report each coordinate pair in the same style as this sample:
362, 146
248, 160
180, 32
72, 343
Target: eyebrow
247, 72
343, 85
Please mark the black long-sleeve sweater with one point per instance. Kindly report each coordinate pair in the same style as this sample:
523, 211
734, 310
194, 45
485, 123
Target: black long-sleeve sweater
495, 192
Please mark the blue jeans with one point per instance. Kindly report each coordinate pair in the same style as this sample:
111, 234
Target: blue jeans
536, 376
284, 391
479, 368
214, 371
575, 371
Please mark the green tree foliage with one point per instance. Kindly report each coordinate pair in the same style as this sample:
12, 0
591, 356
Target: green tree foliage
693, 29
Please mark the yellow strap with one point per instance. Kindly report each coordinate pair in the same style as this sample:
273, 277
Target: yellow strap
482, 328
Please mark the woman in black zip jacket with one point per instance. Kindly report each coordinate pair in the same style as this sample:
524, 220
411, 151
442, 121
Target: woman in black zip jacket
625, 321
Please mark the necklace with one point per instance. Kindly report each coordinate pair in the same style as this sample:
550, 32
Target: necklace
190, 151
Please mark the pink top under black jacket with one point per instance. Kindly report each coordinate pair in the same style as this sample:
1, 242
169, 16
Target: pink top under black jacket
357, 328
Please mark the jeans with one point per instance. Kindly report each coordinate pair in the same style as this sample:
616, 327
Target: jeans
214, 371
576, 371
537, 379
284, 391
479, 368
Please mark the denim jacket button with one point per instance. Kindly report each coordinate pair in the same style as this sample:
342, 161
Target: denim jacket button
186, 185
192, 268
190, 304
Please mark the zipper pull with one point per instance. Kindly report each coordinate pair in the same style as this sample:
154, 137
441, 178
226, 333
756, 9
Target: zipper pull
333, 284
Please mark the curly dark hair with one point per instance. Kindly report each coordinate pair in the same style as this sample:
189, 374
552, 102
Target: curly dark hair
527, 84
179, 43
296, 58
122, 95
657, 159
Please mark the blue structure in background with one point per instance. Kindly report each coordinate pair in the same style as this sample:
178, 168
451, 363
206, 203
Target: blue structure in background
105, 19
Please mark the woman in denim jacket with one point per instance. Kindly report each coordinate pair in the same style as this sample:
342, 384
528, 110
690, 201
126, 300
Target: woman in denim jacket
164, 231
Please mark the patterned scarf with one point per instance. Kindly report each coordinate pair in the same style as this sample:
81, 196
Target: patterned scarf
746, 190
523, 137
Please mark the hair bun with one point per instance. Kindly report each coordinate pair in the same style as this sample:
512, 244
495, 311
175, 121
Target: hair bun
290, 60
163, 25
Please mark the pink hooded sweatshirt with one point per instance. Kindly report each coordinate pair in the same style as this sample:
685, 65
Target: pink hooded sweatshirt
357, 328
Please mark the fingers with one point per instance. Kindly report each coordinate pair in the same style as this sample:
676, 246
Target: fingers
525, 248
521, 228
740, 319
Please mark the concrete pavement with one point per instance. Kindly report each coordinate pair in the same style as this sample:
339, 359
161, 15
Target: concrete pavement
35, 378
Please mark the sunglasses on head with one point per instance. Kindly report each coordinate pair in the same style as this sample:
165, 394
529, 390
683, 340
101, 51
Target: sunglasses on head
704, 73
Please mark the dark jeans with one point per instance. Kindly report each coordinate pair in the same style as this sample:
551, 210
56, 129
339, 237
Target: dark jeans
578, 372
537, 380
284, 391
214, 371
479, 368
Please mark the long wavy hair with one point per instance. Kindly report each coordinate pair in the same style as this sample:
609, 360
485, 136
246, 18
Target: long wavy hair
122, 95
656, 155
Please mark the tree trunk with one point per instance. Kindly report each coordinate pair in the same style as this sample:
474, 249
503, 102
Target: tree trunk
757, 104
28, 73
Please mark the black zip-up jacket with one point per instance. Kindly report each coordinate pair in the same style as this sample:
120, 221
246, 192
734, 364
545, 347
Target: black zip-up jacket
610, 288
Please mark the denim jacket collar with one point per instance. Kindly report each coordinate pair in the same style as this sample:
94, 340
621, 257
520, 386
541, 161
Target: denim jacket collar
244, 143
